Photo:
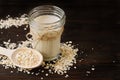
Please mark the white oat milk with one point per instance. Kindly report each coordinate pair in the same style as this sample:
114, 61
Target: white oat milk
46, 26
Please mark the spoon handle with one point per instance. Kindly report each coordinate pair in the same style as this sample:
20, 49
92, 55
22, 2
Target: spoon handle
5, 51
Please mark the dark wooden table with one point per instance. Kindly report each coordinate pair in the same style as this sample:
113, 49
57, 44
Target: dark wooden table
93, 24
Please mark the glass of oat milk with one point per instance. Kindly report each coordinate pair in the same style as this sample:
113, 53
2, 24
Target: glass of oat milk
46, 27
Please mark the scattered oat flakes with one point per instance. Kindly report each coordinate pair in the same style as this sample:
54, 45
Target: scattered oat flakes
41, 78
88, 72
75, 67
42, 71
11, 71
46, 74
92, 69
66, 76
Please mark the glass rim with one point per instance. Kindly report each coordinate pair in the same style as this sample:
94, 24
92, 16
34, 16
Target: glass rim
57, 8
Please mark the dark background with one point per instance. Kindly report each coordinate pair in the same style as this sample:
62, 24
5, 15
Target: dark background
93, 24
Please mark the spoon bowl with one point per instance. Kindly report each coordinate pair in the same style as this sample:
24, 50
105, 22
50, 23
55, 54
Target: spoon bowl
23, 57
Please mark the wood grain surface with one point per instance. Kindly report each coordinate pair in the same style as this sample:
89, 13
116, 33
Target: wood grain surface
93, 24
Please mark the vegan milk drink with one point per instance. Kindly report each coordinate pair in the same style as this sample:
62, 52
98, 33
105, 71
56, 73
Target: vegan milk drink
46, 26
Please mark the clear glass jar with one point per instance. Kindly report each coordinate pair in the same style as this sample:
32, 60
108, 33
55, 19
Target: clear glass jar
46, 26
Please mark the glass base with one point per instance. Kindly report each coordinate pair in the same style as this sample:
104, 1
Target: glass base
51, 59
